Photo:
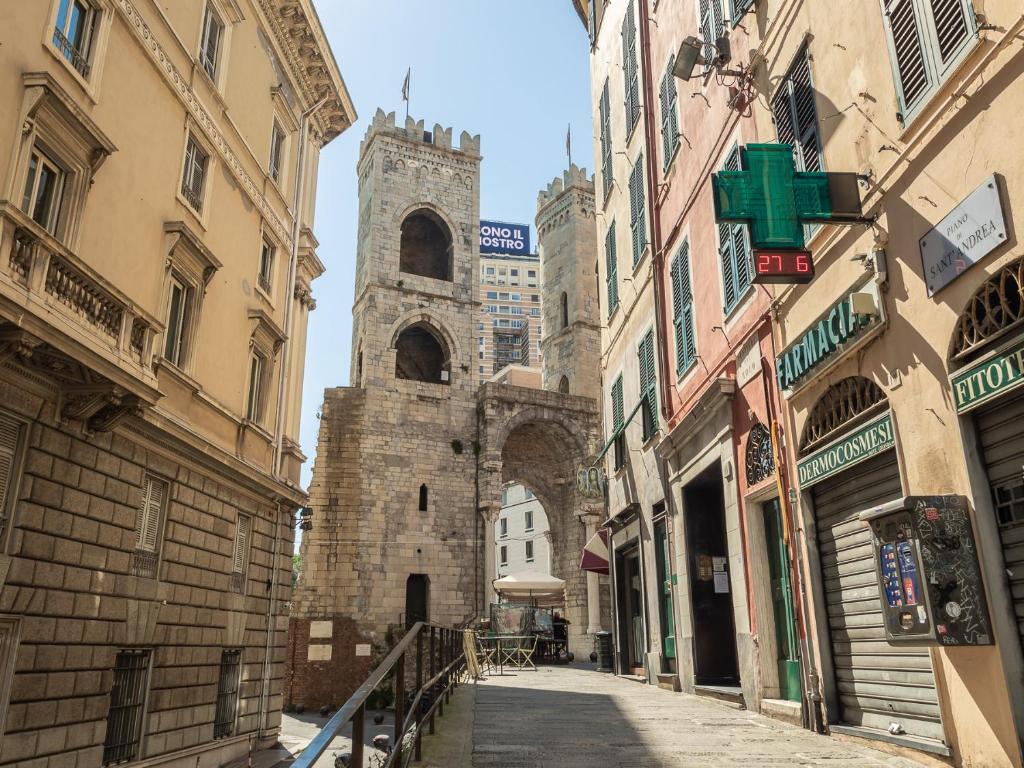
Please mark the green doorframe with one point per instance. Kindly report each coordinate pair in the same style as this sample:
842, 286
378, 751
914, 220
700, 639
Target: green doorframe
783, 606
666, 586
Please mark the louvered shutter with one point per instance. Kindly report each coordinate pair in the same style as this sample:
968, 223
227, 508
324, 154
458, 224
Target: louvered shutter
147, 520
618, 411
606, 141
10, 434
638, 224
739, 7
647, 384
241, 543
710, 23
612, 267
954, 27
682, 309
909, 62
629, 68
734, 249
669, 118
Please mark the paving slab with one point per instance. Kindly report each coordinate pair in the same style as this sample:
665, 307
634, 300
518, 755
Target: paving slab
576, 717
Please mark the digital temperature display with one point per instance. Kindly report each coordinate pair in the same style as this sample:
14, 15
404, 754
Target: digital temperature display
783, 267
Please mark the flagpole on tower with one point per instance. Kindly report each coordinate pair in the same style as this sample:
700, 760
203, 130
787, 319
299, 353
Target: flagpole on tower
405, 91
568, 143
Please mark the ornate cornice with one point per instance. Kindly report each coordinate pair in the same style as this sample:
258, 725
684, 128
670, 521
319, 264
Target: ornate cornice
308, 56
201, 116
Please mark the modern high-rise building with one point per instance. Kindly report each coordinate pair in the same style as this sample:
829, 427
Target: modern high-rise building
509, 328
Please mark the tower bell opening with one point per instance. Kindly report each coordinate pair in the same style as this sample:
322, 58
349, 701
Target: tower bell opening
426, 246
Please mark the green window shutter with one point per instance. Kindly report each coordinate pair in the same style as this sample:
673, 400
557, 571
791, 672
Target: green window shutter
606, 142
907, 52
739, 7
954, 27
669, 118
612, 268
734, 250
710, 22
629, 69
637, 217
618, 412
648, 385
682, 309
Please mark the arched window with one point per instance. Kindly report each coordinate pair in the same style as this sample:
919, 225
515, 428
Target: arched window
563, 385
417, 599
565, 310
359, 368
423, 497
426, 246
421, 355
845, 403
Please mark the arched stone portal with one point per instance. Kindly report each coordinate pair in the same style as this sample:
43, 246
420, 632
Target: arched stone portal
540, 438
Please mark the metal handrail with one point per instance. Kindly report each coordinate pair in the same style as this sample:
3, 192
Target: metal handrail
445, 660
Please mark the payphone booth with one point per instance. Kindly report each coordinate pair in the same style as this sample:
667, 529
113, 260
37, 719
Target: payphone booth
929, 579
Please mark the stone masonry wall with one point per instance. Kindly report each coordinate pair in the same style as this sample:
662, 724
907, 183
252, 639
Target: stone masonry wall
70, 590
568, 243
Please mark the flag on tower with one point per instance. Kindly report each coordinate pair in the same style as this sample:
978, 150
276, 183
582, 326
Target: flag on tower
568, 142
405, 85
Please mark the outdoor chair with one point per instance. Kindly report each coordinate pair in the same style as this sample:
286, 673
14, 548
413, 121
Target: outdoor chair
524, 653
485, 655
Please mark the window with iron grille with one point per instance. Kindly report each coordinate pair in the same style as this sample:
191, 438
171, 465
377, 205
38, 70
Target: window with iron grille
227, 693
682, 309
74, 33
637, 210
630, 70
734, 251
210, 42
669, 115
606, 141
127, 707
796, 119
648, 382
240, 555
611, 260
194, 176
618, 417
148, 522
927, 39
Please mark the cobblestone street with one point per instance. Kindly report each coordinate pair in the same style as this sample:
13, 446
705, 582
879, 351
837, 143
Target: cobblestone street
572, 717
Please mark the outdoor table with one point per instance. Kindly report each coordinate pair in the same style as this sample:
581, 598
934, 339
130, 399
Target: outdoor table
511, 649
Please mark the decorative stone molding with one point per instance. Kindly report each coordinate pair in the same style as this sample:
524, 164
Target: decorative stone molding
308, 57
202, 116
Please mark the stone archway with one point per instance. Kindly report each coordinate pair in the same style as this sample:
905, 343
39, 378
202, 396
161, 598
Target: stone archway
540, 438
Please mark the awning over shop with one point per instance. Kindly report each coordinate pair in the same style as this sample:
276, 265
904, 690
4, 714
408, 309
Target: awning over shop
538, 588
595, 553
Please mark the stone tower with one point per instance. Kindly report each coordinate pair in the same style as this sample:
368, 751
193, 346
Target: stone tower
571, 344
395, 523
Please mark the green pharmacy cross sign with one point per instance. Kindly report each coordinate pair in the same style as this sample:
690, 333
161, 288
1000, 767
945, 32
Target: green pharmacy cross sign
776, 200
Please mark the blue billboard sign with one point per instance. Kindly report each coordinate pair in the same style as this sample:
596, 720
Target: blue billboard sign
499, 237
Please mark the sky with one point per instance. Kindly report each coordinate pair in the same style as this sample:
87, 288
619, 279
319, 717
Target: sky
517, 73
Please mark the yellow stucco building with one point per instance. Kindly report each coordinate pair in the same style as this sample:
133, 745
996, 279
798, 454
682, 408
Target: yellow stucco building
158, 178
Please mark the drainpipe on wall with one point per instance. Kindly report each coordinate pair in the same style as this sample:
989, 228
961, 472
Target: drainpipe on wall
650, 149
289, 299
271, 619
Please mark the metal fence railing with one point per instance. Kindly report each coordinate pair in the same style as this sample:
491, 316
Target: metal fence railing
439, 657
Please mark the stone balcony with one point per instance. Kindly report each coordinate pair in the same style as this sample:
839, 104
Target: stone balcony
65, 321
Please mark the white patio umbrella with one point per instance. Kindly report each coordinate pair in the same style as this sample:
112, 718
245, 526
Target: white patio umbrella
541, 588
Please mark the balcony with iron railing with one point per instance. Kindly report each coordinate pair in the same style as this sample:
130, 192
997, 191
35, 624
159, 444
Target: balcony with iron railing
70, 52
65, 303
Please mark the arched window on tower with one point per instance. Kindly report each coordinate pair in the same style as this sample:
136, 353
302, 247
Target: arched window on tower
421, 355
563, 385
565, 310
426, 246
423, 497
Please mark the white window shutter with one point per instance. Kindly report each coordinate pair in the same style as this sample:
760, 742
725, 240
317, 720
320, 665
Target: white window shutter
147, 522
10, 431
241, 543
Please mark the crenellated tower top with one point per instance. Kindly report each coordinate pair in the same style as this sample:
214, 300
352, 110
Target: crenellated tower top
574, 176
414, 130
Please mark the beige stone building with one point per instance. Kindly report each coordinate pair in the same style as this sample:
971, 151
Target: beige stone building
510, 312
924, 101
156, 253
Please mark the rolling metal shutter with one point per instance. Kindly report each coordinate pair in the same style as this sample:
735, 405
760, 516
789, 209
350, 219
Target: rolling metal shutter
1001, 433
877, 683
